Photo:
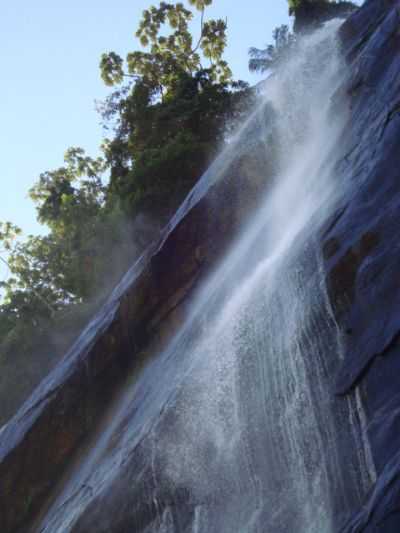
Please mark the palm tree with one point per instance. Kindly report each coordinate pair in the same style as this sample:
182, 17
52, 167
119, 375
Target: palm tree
265, 59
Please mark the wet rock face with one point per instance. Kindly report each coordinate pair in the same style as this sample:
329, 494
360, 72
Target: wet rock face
343, 275
310, 15
362, 251
39, 443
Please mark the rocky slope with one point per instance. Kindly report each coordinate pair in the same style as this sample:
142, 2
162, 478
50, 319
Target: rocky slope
146, 308
362, 249
362, 261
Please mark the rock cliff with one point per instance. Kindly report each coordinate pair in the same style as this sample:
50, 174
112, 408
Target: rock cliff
362, 249
361, 252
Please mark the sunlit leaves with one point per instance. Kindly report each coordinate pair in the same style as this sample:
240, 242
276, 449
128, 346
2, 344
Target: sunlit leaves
168, 116
8, 234
111, 68
262, 60
171, 50
295, 4
74, 191
200, 4
79, 164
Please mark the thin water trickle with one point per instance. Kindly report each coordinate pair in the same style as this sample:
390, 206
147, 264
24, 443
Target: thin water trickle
233, 427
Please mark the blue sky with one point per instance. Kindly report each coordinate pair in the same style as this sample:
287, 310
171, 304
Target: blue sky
50, 53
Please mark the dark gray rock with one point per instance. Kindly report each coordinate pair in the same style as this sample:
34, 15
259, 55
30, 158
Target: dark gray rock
363, 264
145, 307
362, 249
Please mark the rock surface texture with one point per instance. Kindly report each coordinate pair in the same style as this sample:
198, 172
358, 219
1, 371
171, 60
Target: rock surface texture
364, 263
311, 14
361, 253
39, 443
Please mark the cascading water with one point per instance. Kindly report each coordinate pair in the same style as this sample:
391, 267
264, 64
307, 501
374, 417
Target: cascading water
234, 427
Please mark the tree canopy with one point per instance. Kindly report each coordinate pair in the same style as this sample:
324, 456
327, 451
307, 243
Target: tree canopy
308, 15
169, 112
165, 119
170, 55
262, 60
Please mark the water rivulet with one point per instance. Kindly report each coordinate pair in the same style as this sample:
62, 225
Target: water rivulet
233, 426
243, 376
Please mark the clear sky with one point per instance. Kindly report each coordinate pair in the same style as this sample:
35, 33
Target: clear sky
50, 53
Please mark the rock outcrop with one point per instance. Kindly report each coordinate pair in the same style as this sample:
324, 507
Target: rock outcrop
362, 249
311, 14
362, 261
39, 443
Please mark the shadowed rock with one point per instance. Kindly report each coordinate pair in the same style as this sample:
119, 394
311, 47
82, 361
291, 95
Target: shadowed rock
41, 439
361, 253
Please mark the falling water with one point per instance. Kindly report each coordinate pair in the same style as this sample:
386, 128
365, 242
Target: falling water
234, 426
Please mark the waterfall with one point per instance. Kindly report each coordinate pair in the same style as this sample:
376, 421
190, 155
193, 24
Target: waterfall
234, 427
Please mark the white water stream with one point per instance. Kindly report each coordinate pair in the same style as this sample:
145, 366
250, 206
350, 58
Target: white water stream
235, 426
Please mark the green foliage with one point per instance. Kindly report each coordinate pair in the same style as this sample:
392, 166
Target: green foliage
111, 68
296, 4
8, 233
169, 120
162, 147
310, 13
70, 191
164, 126
47, 274
170, 55
269, 57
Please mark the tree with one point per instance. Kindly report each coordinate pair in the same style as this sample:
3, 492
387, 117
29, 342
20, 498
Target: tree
76, 188
168, 121
169, 56
269, 57
309, 14
161, 148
